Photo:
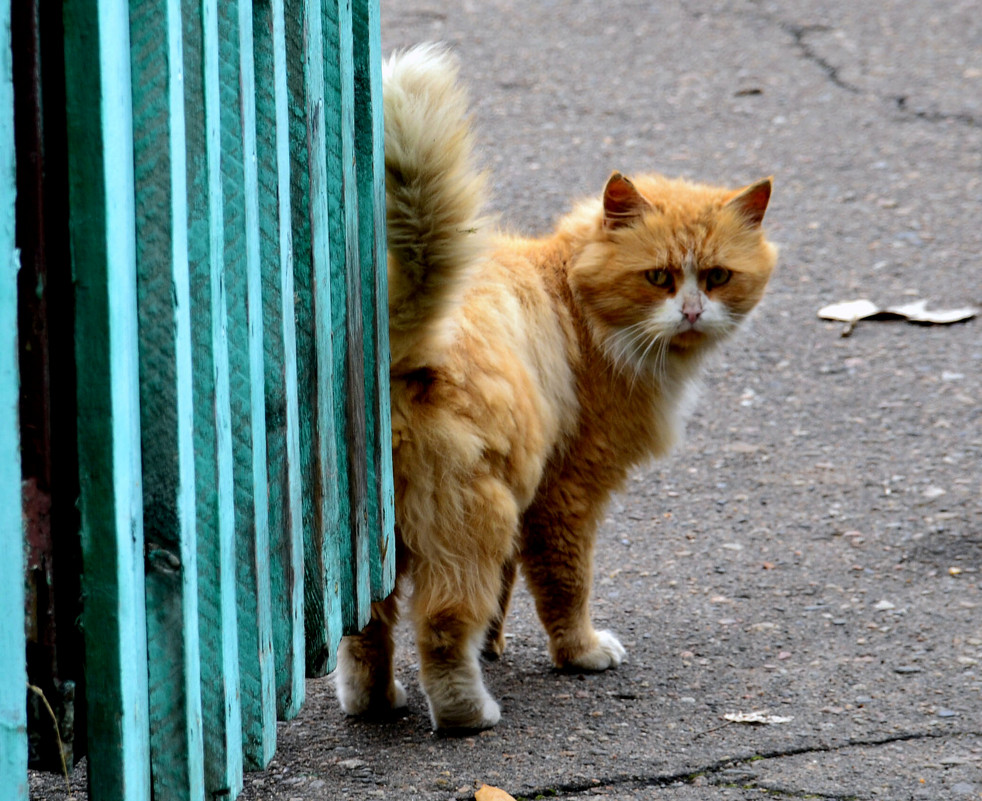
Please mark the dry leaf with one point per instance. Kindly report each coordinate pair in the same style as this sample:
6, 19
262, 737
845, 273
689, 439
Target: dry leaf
756, 718
488, 793
852, 311
848, 311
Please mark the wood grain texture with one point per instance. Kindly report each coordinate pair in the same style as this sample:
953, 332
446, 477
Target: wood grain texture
280, 356
349, 384
315, 365
245, 331
13, 714
103, 227
166, 411
215, 511
370, 160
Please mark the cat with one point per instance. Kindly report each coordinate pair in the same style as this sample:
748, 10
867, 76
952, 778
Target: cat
527, 377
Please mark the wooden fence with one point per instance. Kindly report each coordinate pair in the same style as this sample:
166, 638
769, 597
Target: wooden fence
225, 334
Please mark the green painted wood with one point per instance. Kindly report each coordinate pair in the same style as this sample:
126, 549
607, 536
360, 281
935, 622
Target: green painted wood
346, 294
13, 670
100, 140
370, 160
166, 410
280, 356
215, 510
315, 355
245, 342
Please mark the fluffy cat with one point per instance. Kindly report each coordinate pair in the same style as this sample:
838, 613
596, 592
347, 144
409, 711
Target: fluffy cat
528, 376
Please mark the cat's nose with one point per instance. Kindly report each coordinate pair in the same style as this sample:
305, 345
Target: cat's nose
691, 310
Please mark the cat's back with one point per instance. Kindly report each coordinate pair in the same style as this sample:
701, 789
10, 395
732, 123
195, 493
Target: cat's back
498, 385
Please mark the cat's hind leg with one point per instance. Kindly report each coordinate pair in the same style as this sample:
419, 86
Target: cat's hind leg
494, 641
457, 571
365, 681
449, 642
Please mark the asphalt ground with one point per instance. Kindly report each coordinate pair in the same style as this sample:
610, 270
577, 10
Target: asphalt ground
813, 550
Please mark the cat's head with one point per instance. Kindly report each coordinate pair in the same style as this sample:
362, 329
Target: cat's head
671, 268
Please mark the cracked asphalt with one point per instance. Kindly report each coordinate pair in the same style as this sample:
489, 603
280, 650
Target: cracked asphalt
813, 550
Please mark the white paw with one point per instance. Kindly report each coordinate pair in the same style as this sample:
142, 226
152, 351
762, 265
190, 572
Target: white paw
398, 695
356, 699
466, 717
353, 697
607, 653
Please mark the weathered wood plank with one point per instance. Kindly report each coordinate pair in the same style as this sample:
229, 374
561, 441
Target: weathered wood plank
245, 333
103, 226
13, 715
346, 295
280, 357
215, 511
370, 160
318, 455
166, 410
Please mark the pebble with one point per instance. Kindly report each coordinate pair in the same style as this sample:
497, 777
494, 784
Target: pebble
908, 669
963, 788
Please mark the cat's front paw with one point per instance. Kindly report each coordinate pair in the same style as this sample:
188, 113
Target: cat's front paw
606, 653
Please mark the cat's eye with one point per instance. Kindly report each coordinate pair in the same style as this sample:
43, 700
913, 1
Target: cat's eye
717, 277
659, 278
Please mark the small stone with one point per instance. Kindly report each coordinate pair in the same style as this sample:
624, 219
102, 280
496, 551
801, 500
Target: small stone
963, 788
946, 713
904, 669
884, 606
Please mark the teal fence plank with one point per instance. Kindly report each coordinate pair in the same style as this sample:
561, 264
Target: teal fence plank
13, 665
245, 333
103, 226
318, 455
280, 357
273, 239
166, 410
349, 388
370, 160
222, 730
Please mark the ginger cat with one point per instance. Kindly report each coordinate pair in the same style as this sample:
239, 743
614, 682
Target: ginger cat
528, 376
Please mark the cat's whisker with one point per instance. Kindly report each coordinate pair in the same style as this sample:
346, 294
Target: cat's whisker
621, 348
642, 363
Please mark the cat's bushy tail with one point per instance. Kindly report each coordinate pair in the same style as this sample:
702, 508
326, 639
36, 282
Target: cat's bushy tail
434, 194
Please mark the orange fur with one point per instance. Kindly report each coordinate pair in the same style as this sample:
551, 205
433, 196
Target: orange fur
528, 376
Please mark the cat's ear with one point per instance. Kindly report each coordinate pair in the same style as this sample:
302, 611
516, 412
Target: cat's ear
751, 202
623, 203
